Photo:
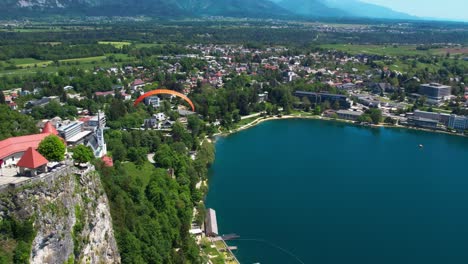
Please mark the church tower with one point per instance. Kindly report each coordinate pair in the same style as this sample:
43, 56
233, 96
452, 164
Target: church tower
102, 146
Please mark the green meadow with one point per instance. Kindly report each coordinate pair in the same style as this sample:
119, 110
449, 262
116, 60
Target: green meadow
117, 44
382, 50
33, 66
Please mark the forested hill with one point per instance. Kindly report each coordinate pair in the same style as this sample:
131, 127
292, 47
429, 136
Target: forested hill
154, 8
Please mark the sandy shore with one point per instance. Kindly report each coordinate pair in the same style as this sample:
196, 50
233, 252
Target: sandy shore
299, 116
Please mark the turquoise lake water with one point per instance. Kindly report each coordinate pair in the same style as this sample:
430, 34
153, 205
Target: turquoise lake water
311, 191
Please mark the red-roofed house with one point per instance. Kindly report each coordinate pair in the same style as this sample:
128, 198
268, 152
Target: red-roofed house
126, 97
84, 119
12, 149
13, 106
32, 162
105, 93
49, 129
138, 83
108, 162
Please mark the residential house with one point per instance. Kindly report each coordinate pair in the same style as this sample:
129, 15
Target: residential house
153, 101
380, 88
138, 83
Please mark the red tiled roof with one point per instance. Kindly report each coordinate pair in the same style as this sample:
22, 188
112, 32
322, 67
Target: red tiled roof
138, 82
104, 93
32, 159
49, 129
20, 144
108, 161
84, 119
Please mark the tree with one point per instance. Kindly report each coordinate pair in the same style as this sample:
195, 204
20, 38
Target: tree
375, 115
389, 120
306, 103
52, 148
325, 105
82, 154
317, 110
421, 100
336, 105
165, 156
15, 124
2, 98
138, 155
117, 110
365, 118
195, 124
119, 152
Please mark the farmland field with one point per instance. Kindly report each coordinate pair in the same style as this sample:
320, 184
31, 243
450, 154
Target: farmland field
383, 50
117, 44
28, 65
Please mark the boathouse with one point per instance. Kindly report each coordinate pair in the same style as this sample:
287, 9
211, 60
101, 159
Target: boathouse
211, 225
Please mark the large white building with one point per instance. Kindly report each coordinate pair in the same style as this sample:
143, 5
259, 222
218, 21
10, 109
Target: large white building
458, 122
440, 117
435, 92
89, 132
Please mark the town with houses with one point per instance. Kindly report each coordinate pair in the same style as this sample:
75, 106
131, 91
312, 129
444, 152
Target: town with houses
352, 88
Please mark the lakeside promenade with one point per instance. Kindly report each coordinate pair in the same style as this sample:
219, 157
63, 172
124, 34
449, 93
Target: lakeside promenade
259, 120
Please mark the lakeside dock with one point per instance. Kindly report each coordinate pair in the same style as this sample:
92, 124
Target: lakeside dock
214, 246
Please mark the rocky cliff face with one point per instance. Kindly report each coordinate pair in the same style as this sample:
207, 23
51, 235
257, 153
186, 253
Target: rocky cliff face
71, 217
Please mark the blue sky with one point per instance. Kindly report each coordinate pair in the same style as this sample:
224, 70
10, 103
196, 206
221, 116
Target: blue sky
448, 9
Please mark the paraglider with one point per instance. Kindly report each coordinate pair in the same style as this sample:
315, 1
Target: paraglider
164, 91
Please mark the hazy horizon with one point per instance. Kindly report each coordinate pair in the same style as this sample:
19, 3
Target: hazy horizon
448, 9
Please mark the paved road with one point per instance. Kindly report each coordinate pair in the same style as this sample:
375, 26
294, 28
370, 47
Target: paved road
249, 116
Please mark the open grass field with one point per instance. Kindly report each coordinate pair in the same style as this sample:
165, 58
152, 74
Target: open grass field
27, 65
29, 30
147, 45
144, 172
117, 44
29, 62
407, 50
453, 51
85, 60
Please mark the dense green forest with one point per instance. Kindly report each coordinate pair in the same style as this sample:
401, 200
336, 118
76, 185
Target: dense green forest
54, 52
216, 32
15, 124
151, 210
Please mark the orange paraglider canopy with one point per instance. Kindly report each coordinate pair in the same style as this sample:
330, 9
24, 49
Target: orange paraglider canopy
164, 91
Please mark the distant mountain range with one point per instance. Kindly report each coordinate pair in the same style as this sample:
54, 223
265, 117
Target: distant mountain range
340, 8
193, 8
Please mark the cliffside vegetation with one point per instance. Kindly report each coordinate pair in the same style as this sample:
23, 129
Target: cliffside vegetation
16, 237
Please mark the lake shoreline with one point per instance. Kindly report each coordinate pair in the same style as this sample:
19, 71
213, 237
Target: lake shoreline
270, 118
316, 170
